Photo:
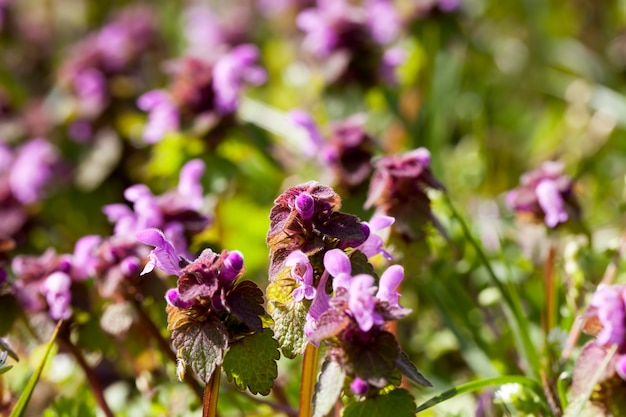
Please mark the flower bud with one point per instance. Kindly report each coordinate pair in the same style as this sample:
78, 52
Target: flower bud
232, 266
305, 205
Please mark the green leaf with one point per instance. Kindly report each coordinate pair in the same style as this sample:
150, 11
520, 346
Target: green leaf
202, 345
328, 388
397, 403
251, 362
289, 328
22, 402
360, 264
409, 369
246, 302
373, 361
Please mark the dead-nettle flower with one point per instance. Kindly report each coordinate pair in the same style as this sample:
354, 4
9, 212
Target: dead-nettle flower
202, 93
178, 213
398, 189
545, 195
209, 298
44, 283
606, 319
347, 150
26, 174
111, 52
323, 289
349, 38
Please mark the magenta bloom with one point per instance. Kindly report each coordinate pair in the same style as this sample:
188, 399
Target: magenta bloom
163, 115
361, 302
231, 72
163, 256
302, 272
608, 303
373, 245
56, 289
545, 194
32, 170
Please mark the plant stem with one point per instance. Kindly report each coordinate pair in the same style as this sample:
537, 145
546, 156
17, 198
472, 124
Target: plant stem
92, 378
211, 391
309, 374
513, 310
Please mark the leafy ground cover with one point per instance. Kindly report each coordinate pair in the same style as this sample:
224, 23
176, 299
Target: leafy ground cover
312, 208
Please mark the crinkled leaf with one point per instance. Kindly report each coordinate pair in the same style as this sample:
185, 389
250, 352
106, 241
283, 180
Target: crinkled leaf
396, 403
177, 318
251, 362
328, 388
330, 324
280, 290
373, 360
360, 264
246, 302
344, 227
289, 327
409, 369
202, 345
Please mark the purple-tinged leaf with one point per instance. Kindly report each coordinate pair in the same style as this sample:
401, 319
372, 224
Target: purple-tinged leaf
330, 324
202, 345
245, 301
373, 360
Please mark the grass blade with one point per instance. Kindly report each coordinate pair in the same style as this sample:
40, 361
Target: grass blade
22, 402
480, 384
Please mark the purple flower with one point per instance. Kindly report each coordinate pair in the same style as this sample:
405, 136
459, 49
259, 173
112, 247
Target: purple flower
303, 119
320, 304
56, 289
173, 298
383, 20
551, 203
620, 366
231, 72
359, 386
305, 205
608, 303
544, 195
302, 272
361, 302
32, 170
92, 91
163, 116
338, 265
232, 266
189, 185
85, 257
389, 282
163, 256
373, 245
324, 25
390, 61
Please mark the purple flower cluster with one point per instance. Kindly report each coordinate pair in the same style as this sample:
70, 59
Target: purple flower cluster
351, 37
606, 318
399, 189
202, 92
347, 151
545, 194
102, 56
25, 174
177, 212
45, 283
320, 264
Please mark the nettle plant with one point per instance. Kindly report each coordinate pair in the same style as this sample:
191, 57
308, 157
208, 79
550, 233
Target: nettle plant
323, 295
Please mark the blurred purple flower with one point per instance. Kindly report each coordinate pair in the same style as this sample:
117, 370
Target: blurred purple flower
32, 170
91, 90
231, 72
608, 303
303, 119
85, 256
56, 289
383, 20
163, 117
359, 386
545, 194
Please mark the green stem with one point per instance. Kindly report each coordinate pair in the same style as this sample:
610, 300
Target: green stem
309, 374
513, 310
211, 391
